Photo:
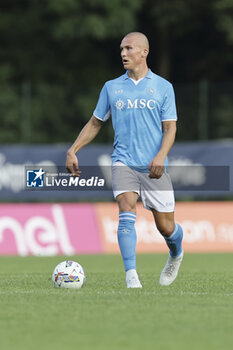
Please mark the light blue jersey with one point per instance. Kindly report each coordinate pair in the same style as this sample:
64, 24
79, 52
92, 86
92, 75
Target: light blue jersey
137, 110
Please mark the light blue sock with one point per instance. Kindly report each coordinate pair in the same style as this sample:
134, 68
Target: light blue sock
174, 242
127, 239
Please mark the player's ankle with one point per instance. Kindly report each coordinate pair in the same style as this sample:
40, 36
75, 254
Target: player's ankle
131, 273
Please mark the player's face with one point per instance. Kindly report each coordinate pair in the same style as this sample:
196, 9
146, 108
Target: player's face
132, 53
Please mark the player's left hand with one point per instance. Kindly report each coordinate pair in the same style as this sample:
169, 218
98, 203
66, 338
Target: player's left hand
156, 168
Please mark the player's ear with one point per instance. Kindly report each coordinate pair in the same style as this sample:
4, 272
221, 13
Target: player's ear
145, 52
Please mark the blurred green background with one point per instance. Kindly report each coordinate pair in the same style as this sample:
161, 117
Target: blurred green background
56, 55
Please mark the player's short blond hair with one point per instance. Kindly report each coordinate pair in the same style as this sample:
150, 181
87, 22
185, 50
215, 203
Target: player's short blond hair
141, 37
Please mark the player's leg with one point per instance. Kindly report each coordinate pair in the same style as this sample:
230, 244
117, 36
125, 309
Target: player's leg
126, 191
158, 196
171, 231
127, 236
173, 235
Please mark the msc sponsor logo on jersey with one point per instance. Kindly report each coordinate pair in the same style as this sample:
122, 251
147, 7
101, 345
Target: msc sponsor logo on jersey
120, 104
135, 104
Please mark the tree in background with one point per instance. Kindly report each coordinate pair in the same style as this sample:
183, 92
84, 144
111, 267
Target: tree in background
56, 54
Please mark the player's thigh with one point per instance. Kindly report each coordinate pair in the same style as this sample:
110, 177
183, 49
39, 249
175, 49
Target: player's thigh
127, 201
124, 179
157, 194
164, 221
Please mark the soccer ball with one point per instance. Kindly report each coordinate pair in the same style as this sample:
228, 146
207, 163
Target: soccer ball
68, 274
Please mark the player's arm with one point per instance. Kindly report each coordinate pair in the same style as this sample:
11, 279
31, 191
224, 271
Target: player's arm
157, 164
86, 135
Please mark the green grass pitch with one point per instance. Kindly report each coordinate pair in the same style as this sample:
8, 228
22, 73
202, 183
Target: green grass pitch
195, 313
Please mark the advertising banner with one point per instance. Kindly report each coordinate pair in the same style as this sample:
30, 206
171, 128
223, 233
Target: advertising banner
38, 173
68, 229
207, 226
48, 229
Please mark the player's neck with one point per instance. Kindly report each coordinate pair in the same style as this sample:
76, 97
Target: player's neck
138, 73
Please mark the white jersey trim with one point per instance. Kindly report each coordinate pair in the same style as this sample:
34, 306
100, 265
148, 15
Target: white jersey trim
136, 81
106, 117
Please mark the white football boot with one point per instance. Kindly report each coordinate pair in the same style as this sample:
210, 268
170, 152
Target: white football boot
132, 280
170, 271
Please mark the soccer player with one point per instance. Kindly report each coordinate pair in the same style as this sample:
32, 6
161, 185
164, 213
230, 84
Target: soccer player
143, 111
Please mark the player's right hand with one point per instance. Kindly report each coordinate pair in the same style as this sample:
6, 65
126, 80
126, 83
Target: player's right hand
72, 164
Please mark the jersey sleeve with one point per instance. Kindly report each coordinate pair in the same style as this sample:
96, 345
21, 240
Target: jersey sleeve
168, 110
102, 110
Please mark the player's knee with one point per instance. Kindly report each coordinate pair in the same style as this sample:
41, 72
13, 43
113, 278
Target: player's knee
166, 228
127, 202
126, 206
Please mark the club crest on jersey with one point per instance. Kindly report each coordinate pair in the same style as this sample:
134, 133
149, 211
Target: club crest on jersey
151, 91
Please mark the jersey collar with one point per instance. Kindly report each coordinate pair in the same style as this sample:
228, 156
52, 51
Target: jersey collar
148, 76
